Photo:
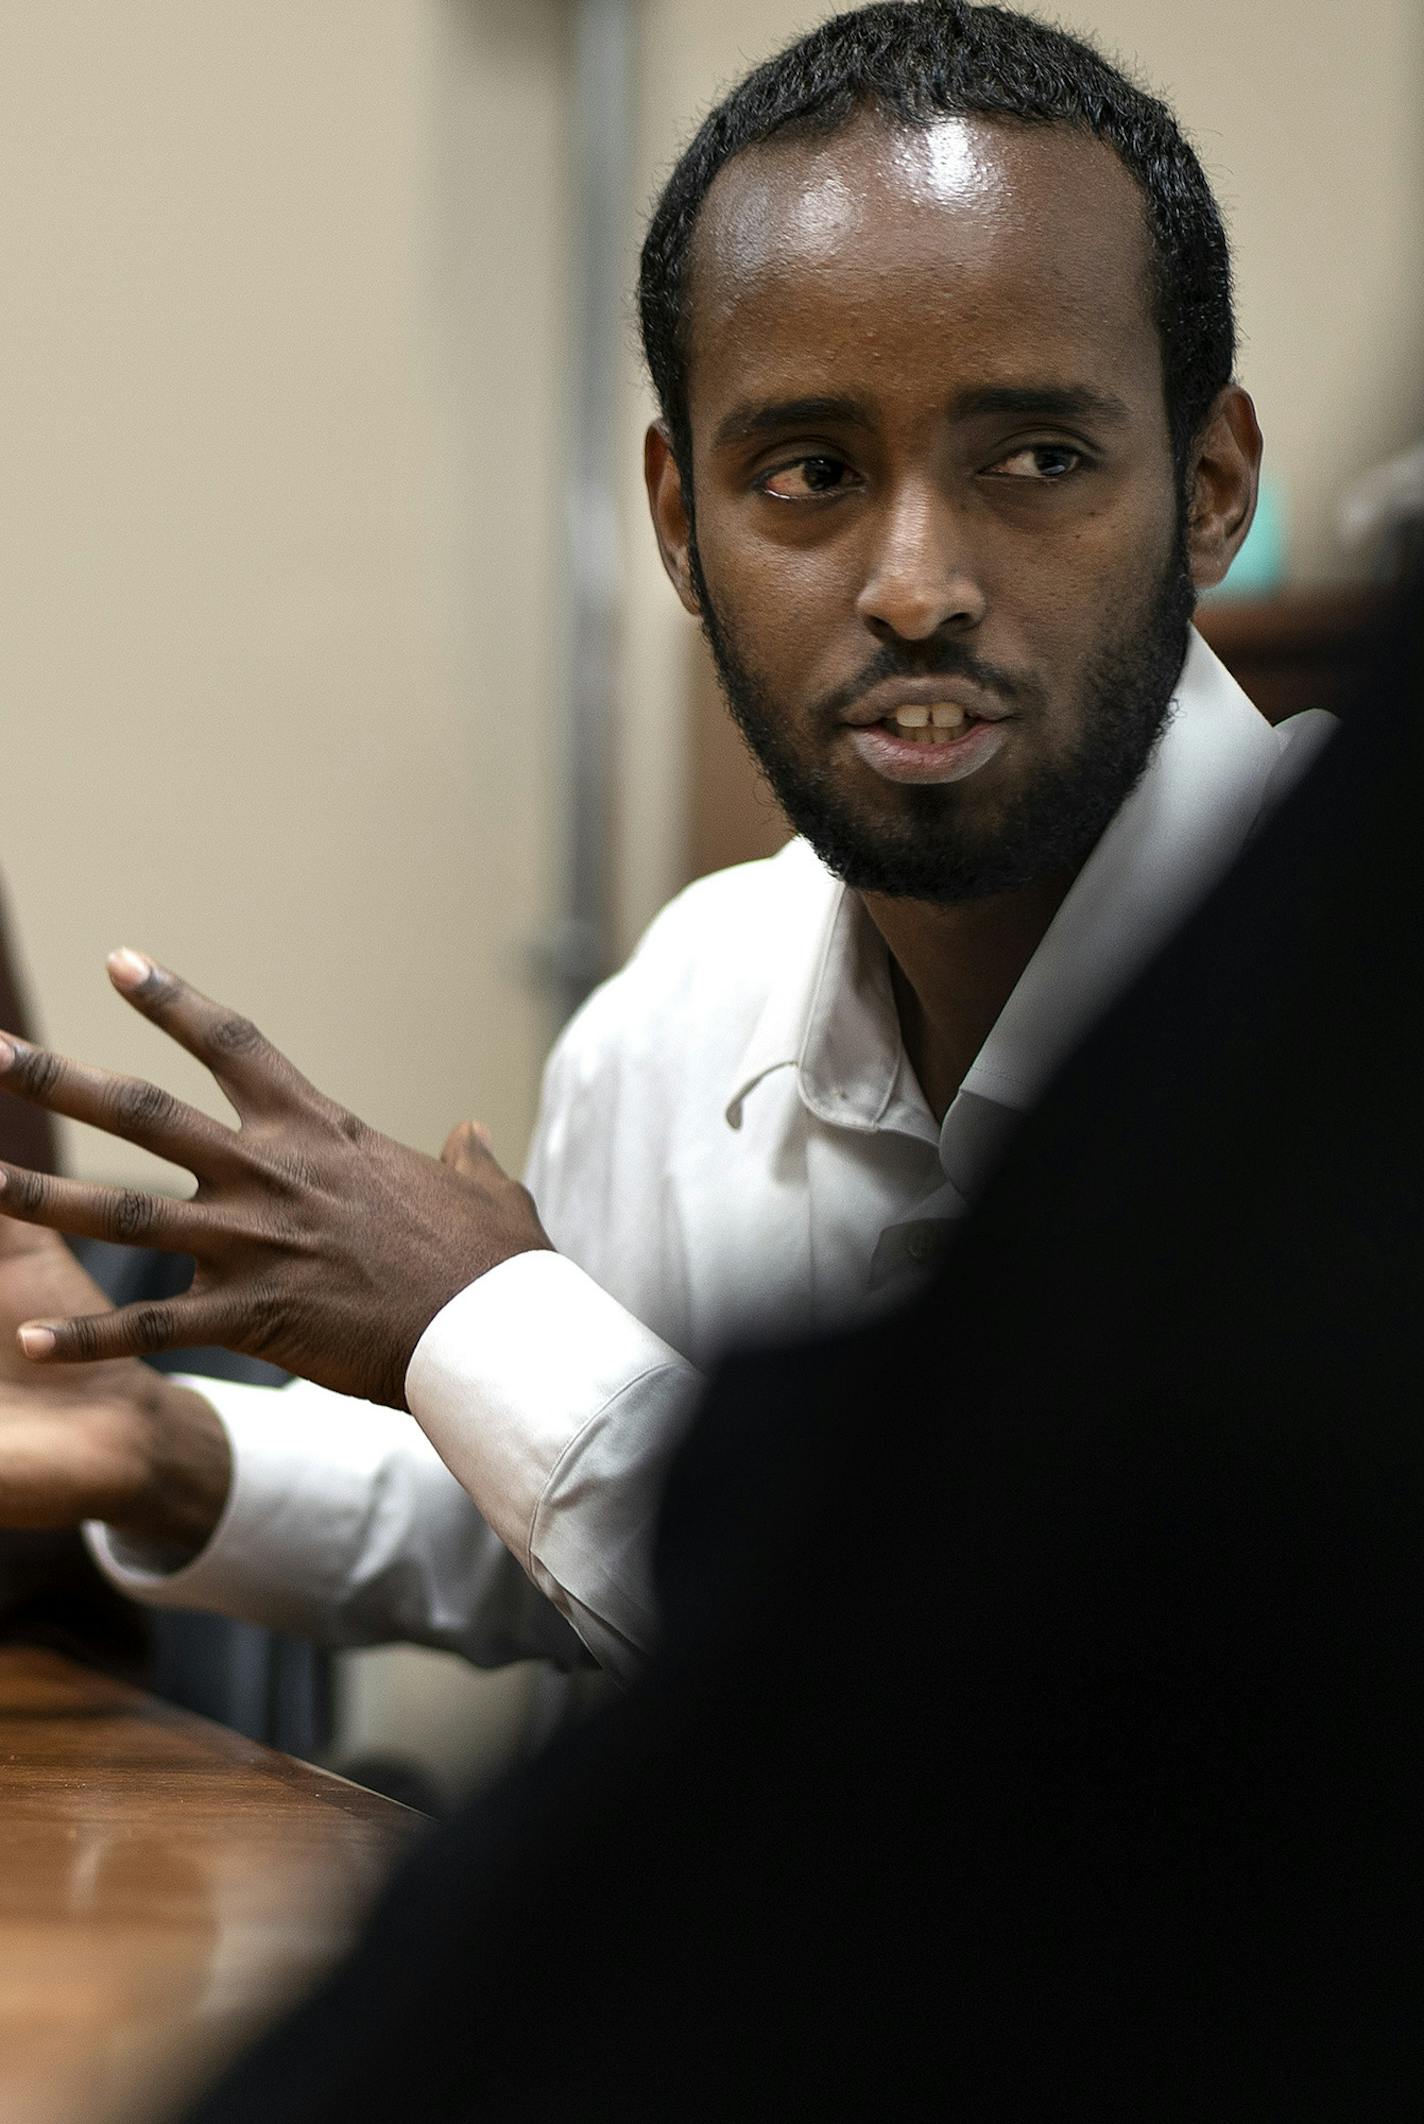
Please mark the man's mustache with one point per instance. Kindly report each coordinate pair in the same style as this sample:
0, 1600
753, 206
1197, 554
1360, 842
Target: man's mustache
936, 659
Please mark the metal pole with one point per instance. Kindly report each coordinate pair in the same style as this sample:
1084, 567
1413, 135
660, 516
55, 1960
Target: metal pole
602, 166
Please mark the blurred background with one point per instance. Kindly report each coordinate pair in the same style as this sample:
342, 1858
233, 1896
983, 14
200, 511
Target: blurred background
337, 667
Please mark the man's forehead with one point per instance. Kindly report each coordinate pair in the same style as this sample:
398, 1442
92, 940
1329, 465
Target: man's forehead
947, 202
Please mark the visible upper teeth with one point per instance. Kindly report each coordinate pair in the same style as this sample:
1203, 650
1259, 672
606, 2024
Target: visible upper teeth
943, 715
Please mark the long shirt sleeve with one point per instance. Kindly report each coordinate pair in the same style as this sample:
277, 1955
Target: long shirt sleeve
343, 1525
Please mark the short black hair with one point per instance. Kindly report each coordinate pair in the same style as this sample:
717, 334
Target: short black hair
914, 62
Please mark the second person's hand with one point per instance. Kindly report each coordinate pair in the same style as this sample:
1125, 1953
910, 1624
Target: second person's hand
321, 1244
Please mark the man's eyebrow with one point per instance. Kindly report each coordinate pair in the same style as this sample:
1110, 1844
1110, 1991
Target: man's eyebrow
1043, 401
754, 417
766, 416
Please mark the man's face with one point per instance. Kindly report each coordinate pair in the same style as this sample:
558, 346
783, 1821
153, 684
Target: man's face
939, 548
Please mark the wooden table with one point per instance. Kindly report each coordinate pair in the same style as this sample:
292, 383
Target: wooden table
165, 1886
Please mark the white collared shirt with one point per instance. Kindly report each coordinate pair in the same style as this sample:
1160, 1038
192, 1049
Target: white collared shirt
731, 1144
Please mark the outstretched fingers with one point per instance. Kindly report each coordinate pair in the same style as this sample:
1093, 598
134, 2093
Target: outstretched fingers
141, 1113
254, 1074
122, 1214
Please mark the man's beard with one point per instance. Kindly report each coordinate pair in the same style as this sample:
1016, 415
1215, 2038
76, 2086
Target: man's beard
1046, 827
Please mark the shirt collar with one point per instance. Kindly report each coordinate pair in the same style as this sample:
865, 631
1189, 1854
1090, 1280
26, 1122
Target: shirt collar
830, 1011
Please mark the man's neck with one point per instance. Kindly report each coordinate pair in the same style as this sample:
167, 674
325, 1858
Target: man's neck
954, 968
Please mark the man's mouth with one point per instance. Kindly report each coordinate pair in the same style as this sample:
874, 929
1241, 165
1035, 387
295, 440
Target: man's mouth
926, 711
928, 741
935, 723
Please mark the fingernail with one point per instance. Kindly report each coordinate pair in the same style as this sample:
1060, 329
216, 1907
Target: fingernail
7, 1054
37, 1341
128, 969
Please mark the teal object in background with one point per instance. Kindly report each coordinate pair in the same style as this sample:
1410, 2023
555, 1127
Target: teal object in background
1260, 566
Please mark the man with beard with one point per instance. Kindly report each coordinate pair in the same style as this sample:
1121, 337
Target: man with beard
938, 311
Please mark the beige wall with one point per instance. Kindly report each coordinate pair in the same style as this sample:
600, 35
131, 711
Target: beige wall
1307, 117
281, 369
282, 376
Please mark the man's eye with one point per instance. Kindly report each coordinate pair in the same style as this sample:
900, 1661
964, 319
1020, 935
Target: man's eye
806, 477
1039, 461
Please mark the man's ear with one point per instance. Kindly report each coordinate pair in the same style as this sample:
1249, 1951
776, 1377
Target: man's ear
671, 519
1222, 480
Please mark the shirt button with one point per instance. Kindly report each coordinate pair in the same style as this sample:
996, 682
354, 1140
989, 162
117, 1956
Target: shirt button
922, 1246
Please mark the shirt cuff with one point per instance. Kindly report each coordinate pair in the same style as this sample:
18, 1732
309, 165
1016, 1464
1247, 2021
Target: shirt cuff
511, 1372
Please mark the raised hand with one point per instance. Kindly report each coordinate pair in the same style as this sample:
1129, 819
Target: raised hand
114, 1442
320, 1244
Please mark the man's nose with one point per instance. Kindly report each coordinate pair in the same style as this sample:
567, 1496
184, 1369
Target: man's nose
922, 577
